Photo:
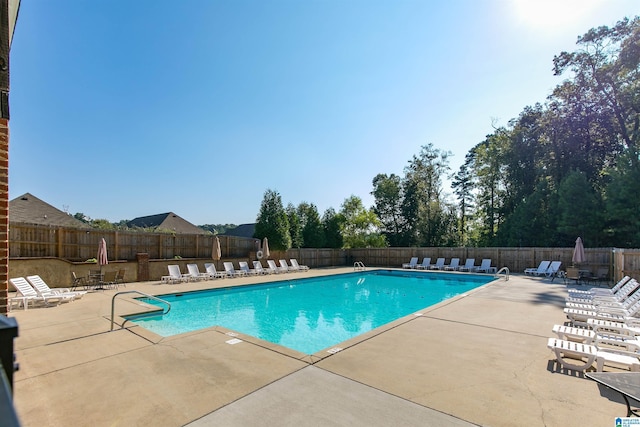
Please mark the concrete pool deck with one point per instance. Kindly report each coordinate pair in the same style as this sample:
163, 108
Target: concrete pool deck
479, 359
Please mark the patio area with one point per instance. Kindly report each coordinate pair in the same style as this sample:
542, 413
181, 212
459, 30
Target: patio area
478, 359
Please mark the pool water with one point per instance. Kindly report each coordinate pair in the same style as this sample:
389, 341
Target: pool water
309, 315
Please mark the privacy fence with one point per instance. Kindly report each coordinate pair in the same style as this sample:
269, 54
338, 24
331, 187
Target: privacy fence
77, 245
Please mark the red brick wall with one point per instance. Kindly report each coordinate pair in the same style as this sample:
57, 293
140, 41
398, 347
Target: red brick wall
4, 215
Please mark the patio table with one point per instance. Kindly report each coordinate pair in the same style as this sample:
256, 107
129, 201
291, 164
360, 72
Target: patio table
625, 383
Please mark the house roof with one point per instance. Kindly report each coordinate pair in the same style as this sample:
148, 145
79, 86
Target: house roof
166, 221
31, 210
243, 230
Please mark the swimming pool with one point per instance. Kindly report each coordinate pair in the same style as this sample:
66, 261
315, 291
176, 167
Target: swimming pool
310, 314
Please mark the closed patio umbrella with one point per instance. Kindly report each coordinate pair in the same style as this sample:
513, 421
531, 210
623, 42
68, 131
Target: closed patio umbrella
102, 253
216, 253
578, 252
265, 247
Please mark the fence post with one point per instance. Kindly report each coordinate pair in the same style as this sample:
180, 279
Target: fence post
143, 267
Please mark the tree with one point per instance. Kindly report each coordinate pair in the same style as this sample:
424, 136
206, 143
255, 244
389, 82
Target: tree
463, 184
295, 227
272, 222
388, 195
579, 210
424, 195
312, 229
360, 226
332, 224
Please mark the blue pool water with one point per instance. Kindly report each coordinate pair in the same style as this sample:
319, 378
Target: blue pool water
309, 315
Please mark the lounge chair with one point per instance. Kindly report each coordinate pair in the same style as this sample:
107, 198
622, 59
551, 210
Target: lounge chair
284, 266
412, 263
469, 265
257, 266
194, 271
579, 317
439, 265
554, 269
426, 263
571, 333
603, 303
27, 294
211, 271
453, 265
44, 290
540, 271
273, 267
231, 271
602, 351
245, 267
175, 276
298, 267
485, 267
588, 293
630, 288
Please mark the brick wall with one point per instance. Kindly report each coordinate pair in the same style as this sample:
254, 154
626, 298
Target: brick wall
4, 214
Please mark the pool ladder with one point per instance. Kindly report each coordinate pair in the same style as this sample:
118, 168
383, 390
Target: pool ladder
504, 270
113, 303
359, 266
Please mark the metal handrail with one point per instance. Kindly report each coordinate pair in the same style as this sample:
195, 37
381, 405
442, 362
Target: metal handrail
358, 265
113, 301
506, 273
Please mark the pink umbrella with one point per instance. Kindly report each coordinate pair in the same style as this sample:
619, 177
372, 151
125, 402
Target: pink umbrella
102, 253
578, 252
216, 252
265, 247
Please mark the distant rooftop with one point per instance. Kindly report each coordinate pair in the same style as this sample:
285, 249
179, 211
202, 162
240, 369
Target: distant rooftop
29, 209
166, 222
243, 230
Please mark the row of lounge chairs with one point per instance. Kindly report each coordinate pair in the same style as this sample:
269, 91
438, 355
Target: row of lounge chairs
454, 265
602, 328
35, 291
194, 274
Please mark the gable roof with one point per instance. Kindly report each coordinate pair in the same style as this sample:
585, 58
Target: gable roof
29, 209
166, 222
243, 230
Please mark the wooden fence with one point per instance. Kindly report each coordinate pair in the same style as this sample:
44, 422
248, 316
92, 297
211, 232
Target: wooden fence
75, 244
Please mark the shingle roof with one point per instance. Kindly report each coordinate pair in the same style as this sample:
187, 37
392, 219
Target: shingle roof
243, 230
166, 221
31, 210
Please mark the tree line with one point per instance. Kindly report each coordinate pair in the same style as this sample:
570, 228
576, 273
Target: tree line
564, 168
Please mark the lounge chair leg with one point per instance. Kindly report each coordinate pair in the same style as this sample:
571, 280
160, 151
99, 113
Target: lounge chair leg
576, 367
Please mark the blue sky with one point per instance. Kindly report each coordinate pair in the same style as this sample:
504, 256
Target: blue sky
122, 109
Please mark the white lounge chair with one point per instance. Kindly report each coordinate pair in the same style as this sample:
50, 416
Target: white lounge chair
245, 267
257, 266
589, 293
485, 267
439, 265
27, 294
554, 269
571, 333
231, 271
579, 317
601, 351
623, 292
412, 263
469, 265
194, 271
284, 266
426, 263
540, 271
298, 267
453, 265
273, 267
212, 272
44, 290
175, 276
